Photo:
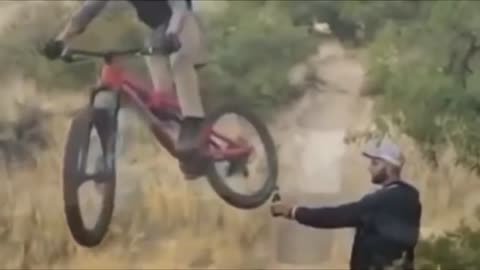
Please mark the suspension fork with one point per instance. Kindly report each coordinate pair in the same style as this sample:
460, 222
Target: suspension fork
111, 112
106, 122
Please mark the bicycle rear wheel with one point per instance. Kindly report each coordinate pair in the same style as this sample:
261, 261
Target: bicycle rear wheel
88, 123
232, 176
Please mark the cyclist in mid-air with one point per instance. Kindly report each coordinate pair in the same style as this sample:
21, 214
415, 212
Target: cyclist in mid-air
172, 24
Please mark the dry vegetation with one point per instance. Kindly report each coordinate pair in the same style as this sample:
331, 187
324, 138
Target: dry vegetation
162, 221
167, 223
170, 223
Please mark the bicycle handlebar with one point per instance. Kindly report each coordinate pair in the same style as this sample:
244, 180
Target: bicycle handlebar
102, 54
69, 55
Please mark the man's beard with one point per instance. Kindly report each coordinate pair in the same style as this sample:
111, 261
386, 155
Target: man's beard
380, 177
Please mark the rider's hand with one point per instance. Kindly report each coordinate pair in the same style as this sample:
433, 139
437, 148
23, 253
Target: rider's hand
53, 49
281, 209
172, 43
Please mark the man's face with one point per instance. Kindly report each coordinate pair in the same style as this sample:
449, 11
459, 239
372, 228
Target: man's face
378, 171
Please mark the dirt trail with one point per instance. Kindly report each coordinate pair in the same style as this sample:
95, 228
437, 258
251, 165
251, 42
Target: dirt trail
313, 152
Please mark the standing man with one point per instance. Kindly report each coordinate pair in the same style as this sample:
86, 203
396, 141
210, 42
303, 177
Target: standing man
386, 221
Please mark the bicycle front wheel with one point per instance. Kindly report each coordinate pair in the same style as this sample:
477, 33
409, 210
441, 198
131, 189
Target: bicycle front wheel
88, 126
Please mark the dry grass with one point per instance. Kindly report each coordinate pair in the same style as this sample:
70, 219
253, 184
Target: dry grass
170, 223
165, 222
161, 221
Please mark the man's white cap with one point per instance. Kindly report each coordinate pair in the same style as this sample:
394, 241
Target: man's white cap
386, 150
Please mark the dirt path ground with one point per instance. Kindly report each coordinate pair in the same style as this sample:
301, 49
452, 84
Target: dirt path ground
313, 153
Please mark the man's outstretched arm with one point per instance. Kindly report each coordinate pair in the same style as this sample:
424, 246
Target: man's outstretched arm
81, 18
346, 215
342, 216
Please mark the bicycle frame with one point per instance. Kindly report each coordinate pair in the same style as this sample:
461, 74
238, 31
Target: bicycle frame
114, 77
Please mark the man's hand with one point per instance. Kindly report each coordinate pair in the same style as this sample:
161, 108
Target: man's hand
281, 209
54, 49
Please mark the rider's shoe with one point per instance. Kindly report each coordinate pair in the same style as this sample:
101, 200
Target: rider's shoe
192, 164
193, 169
189, 138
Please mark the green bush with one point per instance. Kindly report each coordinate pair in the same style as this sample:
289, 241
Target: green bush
20, 55
253, 45
251, 58
457, 249
409, 74
417, 75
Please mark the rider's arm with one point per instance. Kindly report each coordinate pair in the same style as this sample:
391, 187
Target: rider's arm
81, 18
179, 12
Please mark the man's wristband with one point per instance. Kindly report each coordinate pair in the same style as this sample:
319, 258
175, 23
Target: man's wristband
291, 214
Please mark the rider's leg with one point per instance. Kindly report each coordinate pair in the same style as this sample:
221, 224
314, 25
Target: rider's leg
187, 85
160, 73
184, 78
190, 102
159, 69
159, 65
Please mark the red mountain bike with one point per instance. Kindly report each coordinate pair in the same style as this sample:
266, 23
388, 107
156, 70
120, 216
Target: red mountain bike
234, 154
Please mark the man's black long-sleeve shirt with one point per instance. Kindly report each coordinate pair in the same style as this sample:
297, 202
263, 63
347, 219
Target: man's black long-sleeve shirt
387, 225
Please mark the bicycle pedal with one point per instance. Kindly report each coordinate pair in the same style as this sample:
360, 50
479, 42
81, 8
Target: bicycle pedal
191, 177
192, 169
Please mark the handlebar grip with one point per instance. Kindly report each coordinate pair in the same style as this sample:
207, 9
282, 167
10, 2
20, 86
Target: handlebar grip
67, 58
164, 49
